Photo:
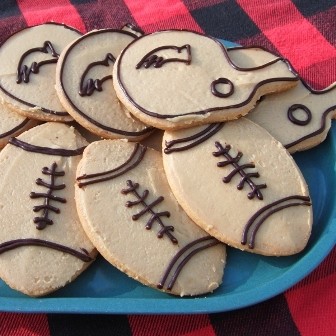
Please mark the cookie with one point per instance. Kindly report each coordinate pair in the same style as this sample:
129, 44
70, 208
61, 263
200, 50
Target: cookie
128, 211
84, 85
299, 118
177, 79
12, 124
27, 75
240, 185
42, 244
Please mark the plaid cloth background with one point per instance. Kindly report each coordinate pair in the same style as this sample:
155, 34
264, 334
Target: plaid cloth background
304, 31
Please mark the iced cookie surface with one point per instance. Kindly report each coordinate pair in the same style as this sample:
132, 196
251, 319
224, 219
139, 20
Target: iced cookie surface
128, 211
42, 243
12, 124
240, 185
84, 85
176, 79
299, 118
27, 75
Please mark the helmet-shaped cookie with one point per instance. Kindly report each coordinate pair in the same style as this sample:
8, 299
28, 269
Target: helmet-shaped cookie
27, 75
175, 79
299, 118
42, 243
130, 214
84, 85
240, 185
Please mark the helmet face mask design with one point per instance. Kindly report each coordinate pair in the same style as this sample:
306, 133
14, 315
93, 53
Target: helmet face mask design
172, 79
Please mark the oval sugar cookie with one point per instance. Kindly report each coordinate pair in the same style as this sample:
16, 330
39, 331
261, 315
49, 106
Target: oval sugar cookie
42, 243
240, 185
177, 79
27, 75
128, 211
84, 85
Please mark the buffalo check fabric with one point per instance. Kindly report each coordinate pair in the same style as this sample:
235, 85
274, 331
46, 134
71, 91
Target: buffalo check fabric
303, 31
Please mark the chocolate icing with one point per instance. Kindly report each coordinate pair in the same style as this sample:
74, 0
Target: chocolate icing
134, 159
92, 85
23, 71
213, 109
319, 131
41, 108
45, 150
199, 137
240, 169
15, 129
13, 244
185, 254
266, 212
219, 94
148, 208
157, 61
76, 108
323, 118
42, 222
294, 120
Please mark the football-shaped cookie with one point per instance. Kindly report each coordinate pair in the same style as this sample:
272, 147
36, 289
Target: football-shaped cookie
176, 79
130, 214
27, 75
84, 85
240, 185
42, 243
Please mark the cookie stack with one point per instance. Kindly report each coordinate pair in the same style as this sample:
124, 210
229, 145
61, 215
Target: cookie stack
88, 174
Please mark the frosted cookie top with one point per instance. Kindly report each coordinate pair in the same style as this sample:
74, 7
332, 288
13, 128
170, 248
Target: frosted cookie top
175, 79
27, 75
299, 118
42, 243
240, 185
129, 212
12, 124
84, 85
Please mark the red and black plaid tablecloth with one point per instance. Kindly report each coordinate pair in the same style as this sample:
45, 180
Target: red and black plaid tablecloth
304, 31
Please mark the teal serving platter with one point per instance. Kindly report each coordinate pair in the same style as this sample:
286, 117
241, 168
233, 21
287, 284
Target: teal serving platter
248, 279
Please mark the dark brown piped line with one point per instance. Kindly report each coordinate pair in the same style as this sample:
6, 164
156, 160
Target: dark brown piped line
23, 71
239, 169
13, 244
218, 108
15, 129
305, 201
199, 137
294, 120
135, 158
317, 132
188, 251
41, 108
45, 150
145, 131
92, 85
157, 61
148, 208
44, 220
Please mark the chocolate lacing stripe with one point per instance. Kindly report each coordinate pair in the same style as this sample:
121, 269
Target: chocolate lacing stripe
187, 257
198, 137
10, 245
136, 156
305, 201
45, 150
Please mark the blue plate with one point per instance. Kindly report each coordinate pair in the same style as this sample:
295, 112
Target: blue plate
248, 278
